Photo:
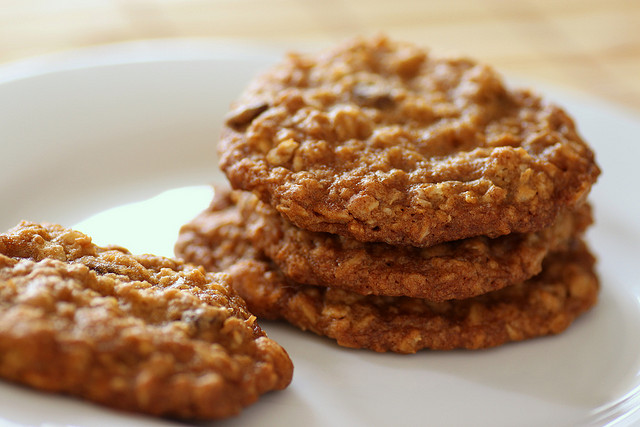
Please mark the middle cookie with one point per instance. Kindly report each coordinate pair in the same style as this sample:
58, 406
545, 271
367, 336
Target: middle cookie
452, 270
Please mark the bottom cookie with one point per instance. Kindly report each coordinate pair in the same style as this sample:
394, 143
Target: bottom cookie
546, 304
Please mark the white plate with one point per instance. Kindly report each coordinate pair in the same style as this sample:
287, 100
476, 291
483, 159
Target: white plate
86, 132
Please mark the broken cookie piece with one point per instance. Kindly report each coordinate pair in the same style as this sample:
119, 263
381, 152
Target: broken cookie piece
140, 333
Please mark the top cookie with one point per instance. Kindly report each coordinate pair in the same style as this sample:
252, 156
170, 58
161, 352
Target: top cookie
382, 141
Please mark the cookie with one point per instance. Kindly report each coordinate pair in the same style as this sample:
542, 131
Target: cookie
385, 142
451, 270
138, 333
545, 304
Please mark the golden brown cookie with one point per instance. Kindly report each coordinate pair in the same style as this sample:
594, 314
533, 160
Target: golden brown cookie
450, 270
546, 304
140, 333
384, 141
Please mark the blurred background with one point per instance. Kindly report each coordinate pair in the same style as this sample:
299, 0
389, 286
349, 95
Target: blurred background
589, 46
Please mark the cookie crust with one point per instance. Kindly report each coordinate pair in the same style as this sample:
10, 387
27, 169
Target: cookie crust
139, 333
545, 304
383, 141
450, 270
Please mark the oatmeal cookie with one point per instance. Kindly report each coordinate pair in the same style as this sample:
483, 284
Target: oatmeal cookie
545, 304
386, 142
450, 270
140, 333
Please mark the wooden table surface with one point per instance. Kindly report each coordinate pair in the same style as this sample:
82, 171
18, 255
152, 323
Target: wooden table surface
590, 46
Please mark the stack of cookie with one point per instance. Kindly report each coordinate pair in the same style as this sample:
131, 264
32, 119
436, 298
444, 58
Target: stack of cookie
395, 200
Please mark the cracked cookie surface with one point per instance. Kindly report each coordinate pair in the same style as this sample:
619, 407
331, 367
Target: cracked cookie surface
140, 333
383, 141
